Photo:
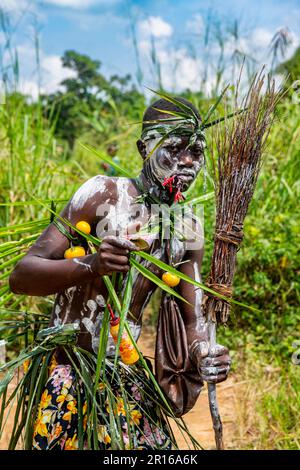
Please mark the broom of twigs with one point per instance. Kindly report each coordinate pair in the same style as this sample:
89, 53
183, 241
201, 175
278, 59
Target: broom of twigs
240, 143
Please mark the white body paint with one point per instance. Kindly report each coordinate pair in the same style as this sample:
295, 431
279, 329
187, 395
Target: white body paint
69, 293
117, 218
94, 328
77, 261
94, 185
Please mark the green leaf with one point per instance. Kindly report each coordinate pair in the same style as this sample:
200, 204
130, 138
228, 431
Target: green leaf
177, 103
167, 267
108, 160
124, 311
88, 237
223, 118
174, 113
30, 203
156, 280
196, 200
212, 108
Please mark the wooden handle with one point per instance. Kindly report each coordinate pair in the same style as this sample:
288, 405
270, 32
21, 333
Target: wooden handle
212, 394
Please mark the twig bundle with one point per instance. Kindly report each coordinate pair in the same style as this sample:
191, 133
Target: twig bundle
240, 144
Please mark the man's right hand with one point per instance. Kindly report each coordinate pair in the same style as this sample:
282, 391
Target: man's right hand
113, 255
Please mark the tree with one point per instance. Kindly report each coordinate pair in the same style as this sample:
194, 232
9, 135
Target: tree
88, 98
80, 95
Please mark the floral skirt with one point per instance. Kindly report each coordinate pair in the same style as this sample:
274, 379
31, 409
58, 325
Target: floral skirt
130, 402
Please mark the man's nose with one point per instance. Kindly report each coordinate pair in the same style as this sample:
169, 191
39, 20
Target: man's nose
185, 160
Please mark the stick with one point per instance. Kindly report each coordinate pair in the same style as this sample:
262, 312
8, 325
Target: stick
212, 392
240, 145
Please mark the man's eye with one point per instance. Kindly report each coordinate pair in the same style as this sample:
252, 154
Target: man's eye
166, 160
197, 150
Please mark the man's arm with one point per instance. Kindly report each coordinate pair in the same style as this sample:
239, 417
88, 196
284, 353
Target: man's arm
44, 271
213, 365
192, 314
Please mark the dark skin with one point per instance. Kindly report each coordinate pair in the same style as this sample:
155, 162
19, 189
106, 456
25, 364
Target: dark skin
78, 283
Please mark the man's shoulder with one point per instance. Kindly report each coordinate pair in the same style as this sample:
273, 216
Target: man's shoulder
99, 188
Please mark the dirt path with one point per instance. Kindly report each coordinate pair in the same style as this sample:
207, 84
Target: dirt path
198, 419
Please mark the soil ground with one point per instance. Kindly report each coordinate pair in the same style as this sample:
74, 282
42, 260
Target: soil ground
198, 420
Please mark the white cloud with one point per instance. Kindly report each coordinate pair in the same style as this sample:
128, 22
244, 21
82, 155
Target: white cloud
261, 38
90, 22
13, 4
54, 73
16, 9
155, 26
179, 70
51, 70
145, 47
2, 38
196, 24
30, 88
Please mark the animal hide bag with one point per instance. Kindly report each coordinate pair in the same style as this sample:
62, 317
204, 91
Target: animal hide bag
175, 373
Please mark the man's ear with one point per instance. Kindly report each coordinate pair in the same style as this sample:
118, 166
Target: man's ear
141, 148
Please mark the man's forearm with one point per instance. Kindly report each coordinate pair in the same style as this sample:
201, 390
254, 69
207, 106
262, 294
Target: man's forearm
39, 276
192, 314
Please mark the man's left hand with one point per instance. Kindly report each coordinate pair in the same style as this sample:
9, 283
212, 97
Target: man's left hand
213, 365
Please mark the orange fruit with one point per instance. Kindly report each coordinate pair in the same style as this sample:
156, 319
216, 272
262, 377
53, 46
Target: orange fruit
170, 279
83, 227
26, 365
74, 252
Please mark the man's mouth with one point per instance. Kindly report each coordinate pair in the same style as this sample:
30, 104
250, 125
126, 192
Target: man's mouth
185, 176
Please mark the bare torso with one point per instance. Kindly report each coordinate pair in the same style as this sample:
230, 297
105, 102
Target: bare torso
85, 303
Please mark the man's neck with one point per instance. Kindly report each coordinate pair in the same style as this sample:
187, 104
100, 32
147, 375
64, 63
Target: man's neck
153, 188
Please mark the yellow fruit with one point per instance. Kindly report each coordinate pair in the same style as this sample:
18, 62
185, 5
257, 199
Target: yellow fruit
74, 252
170, 279
83, 226
26, 365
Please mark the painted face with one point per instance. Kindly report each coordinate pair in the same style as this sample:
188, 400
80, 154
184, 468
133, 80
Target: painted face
173, 158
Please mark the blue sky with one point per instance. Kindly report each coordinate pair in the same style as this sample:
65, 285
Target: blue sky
101, 29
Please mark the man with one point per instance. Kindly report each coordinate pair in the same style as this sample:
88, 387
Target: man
108, 204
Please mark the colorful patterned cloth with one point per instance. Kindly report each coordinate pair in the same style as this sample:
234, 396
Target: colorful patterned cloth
56, 426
